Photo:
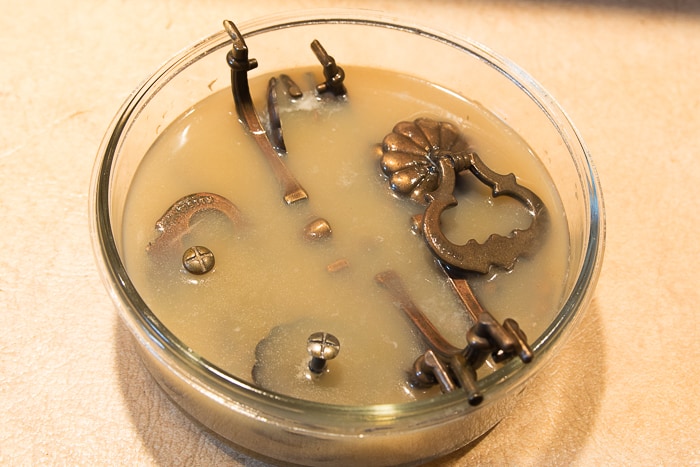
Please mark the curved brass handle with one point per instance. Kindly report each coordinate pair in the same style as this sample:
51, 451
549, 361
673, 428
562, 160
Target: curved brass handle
240, 64
175, 222
497, 250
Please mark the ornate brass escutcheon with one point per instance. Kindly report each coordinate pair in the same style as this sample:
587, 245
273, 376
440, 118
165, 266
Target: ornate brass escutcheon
422, 159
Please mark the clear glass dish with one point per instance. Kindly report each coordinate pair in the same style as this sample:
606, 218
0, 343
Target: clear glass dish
287, 429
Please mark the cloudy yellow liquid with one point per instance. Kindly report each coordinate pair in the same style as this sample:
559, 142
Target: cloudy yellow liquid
271, 287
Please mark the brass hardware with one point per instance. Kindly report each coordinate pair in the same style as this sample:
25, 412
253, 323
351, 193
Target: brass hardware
317, 229
331, 71
276, 137
176, 221
421, 160
292, 89
240, 64
322, 347
198, 260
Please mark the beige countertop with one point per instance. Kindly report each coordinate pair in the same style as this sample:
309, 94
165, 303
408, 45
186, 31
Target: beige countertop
72, 390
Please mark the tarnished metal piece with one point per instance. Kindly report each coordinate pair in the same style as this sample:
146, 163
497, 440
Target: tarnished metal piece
421, 159
466, 295
276, 136
497, 250
198, 260
293, 90
338, 265
489, 337
429, 370
406, 155
322, 347
317, 229
485, 337
520, 347
431, 336
333, 74
240, 64
465, 374
177, 220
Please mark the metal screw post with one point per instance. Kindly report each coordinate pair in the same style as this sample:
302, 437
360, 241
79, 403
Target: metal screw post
322, 347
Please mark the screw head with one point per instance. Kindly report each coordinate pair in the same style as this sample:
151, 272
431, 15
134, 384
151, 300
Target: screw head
198, 260
322, 347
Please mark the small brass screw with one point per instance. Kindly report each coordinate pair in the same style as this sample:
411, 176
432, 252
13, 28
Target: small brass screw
198, 260
322, 347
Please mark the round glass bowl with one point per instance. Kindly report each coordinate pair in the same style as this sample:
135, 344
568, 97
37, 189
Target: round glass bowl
284, 428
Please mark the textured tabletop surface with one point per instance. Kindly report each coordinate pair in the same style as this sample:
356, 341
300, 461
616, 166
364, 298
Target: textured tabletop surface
73, 391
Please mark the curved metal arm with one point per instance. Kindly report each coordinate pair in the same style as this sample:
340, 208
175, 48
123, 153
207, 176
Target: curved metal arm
497, 250
240, 64
176, 221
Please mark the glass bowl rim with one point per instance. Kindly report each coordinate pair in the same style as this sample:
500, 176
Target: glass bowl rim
160, 342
